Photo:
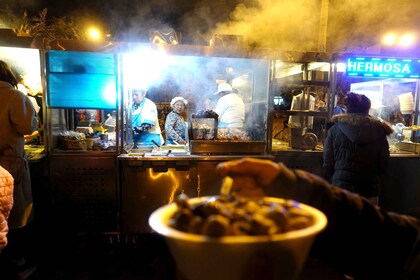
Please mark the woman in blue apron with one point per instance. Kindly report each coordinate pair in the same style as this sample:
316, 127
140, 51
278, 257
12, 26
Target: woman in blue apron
145, 120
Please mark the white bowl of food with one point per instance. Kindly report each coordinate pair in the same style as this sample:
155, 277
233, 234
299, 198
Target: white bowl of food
241, 245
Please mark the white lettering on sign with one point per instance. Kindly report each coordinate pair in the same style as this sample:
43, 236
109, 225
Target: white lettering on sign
378, 67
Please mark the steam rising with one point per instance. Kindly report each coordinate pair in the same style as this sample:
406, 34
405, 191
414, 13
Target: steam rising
294, 24
284, 24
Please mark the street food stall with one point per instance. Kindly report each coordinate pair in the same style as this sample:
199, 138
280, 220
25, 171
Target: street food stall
393, 86
152, 176
301, 92
73, 163
102, 180
81, 100
304, 89
23, 54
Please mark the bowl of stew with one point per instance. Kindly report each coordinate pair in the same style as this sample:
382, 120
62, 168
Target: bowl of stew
215, 237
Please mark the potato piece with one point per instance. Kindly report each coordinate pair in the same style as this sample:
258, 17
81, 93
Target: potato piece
215, 225
261, 225
299, 222
241, 228
181, 220
196, 224
279, 215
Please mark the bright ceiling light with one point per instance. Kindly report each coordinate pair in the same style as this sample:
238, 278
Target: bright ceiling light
94, 33
407, 40
389, 39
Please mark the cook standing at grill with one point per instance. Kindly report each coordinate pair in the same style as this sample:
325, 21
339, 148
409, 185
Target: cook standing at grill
17, 118
175, 125
145, 123
230, 107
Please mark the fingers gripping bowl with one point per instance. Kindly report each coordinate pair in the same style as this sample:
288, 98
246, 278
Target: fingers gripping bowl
258, 255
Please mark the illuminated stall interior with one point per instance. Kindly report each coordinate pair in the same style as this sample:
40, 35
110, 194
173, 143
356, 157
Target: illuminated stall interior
166, 75
301, 99
392, 85
82, 96
25, 62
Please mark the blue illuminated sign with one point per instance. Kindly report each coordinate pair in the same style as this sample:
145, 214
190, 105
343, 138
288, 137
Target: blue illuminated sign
81, 80
383, 67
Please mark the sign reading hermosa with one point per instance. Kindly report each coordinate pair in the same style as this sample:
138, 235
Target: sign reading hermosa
382, 67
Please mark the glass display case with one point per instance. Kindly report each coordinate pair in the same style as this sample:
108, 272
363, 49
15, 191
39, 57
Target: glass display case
194, 75
302, 102
81, 99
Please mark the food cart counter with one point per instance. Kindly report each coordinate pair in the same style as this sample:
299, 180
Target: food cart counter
309, 160
148, 182
41, 191
84, 190
400, 190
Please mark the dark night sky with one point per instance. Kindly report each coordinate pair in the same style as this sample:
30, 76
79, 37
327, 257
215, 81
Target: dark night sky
131, 17
287, 24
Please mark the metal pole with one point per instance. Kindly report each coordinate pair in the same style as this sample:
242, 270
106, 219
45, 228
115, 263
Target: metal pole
323, 24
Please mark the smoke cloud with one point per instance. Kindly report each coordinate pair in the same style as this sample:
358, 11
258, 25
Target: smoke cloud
295, 24
284, 24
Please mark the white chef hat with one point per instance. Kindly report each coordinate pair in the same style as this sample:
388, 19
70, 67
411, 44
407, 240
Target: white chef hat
223, 87
178, 98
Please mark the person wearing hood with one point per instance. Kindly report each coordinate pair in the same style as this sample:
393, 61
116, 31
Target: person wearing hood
230, 107
356, 150
175, 126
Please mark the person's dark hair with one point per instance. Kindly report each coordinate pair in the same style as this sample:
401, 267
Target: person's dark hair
357, 103
6, 74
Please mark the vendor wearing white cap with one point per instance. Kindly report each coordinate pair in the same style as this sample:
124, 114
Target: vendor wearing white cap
145, 121
230, 107
175, 126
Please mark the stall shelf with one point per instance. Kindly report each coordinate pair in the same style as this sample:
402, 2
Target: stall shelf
301, 96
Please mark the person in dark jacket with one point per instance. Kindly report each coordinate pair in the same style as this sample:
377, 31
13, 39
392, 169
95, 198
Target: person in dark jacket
361, 239
356, 150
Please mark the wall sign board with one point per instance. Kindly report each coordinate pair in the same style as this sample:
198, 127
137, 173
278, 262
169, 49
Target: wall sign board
381, 67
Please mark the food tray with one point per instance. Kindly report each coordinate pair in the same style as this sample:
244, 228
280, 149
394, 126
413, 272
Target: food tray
204, 133
204, 126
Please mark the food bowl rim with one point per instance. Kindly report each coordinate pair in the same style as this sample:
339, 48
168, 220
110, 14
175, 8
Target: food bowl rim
158, 221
